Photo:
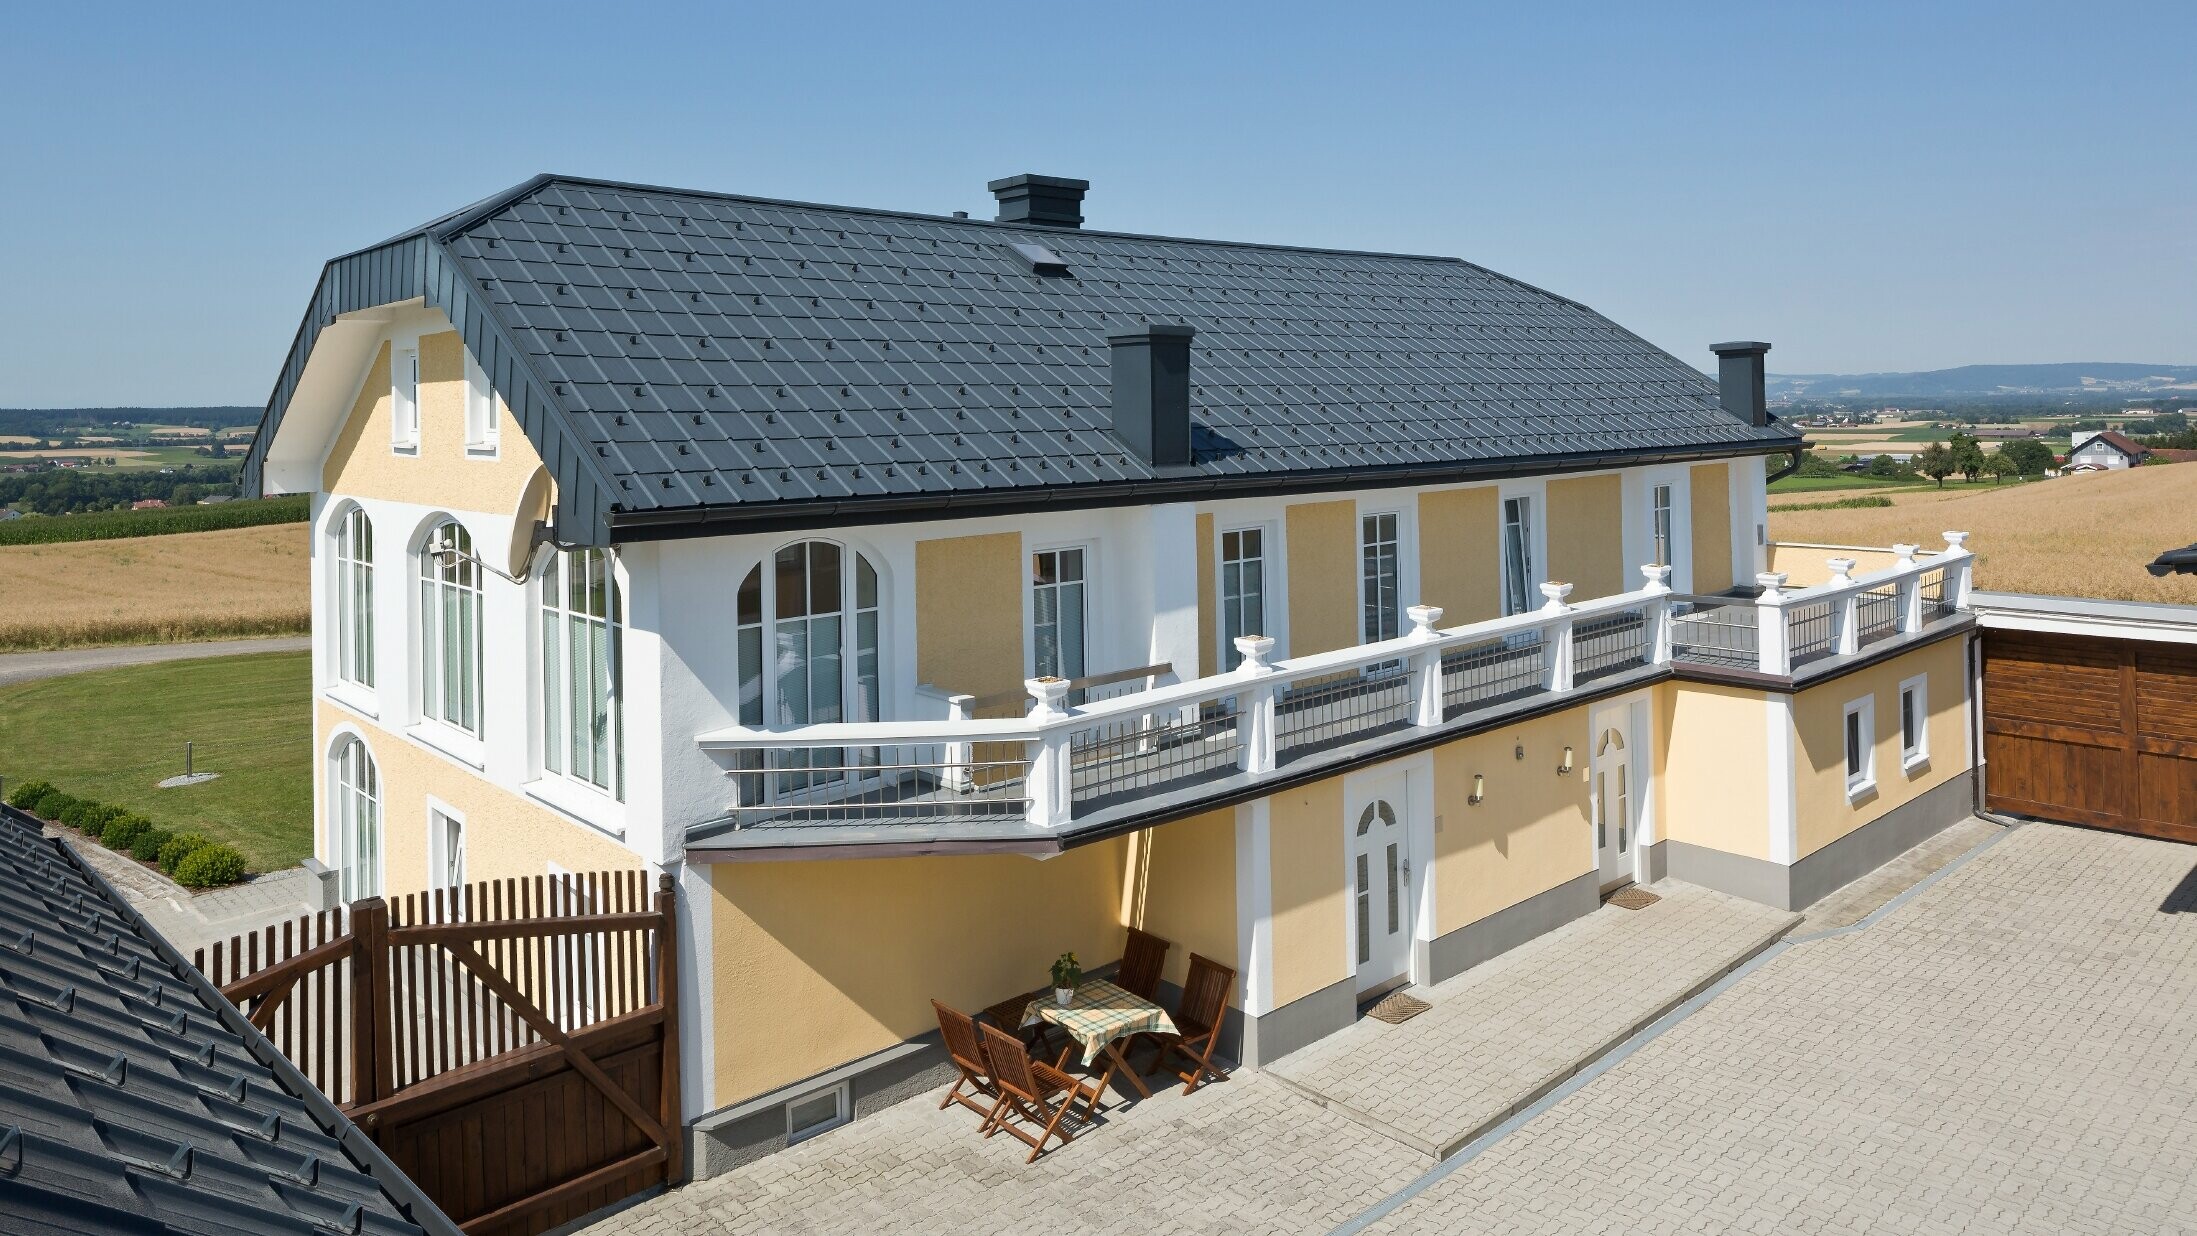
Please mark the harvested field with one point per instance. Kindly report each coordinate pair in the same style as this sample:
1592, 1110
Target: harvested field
2084, 535
199, 585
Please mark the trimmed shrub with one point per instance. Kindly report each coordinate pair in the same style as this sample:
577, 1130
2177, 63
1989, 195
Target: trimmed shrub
179, 847
84, 816
121, 829
51, 804
146, 846
210, 866
29, 792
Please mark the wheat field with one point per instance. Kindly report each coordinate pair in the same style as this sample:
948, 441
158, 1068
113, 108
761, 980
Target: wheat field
2087, 535
192, 586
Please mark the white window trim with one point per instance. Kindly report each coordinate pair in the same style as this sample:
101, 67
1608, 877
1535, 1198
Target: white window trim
437, 857
580, 802
1861, 784
843, 1096
1916, 760
1091, 596
447, 736
404, 410
483, 413
342, 836
1537, 537
1268, 567
1407, 589
537, 599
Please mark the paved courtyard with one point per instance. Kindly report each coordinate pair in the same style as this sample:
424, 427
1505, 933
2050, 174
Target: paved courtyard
2013, 1049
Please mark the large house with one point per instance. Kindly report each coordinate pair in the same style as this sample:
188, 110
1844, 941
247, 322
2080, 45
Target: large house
936, 595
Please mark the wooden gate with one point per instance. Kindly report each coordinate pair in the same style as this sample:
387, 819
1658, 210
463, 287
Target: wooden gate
512, 1045
2092, 731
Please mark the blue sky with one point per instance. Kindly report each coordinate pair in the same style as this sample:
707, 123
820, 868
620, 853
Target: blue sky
1869, 187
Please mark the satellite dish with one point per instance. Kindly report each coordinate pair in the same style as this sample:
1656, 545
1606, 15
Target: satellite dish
530, 520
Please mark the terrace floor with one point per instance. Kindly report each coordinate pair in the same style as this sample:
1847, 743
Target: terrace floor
2008, 1047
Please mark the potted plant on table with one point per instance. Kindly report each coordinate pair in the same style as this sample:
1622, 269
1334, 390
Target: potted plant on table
1066, 974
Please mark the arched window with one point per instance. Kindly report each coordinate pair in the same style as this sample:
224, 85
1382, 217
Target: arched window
354, 819
582, 614
354, 597
808, 645
450, 628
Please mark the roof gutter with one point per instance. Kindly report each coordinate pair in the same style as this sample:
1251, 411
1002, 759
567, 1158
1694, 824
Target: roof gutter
731, 519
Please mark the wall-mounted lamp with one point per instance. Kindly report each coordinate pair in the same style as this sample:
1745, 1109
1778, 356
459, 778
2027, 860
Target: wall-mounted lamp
1518, 752
1564, 769
1479, 789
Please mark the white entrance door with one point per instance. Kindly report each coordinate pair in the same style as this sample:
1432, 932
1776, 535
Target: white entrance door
1380, 880
1616, 795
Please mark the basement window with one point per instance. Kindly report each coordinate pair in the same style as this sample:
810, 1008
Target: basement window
1914, 724
1861, 739
819, 1112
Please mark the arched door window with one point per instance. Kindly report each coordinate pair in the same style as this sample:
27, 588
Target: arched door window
354, 819
354, 597
450, 628
808, 647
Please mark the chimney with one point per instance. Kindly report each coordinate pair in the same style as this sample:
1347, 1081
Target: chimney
1739, 378
1152, 392
1054, 201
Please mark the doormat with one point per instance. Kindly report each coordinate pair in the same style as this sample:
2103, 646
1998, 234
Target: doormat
1396, 1008
1633, 897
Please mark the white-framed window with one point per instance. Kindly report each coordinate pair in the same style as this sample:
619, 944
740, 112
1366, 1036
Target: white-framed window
819, 1111
1058, 579
445, 848
450, 629
354, 597
1380, 579
816, 612
482, 419
1914, 722
404, 399
1518, 569
354, 819
1243, 590
1861, 745
1663, 529
583, 616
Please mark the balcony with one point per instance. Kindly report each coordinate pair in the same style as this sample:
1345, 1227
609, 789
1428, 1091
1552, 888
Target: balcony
1094, 754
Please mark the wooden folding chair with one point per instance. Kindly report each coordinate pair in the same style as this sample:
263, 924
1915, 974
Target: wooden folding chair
1007, 1015
1026, 1088
1142, 963
1198, 1021
963, 1047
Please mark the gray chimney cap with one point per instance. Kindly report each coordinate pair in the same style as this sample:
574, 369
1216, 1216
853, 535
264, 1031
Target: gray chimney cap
1744, 347
1034, 181
1170, 330
1043, 201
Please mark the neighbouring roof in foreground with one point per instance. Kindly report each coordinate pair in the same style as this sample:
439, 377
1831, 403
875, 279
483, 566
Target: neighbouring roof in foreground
678, 355
133, 1099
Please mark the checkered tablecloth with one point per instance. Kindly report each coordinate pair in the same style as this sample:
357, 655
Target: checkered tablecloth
1099, 1014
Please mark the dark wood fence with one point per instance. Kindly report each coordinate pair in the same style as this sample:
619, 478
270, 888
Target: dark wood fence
512, 1045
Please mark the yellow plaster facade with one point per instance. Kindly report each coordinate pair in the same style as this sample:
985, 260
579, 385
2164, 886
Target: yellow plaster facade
507, 835
1210, 656
1323, 576
1587, 535
1711, 485
1531, 834
1712, 782
968, 613
1309, 893
1460, 543
1819, 754
1182, 886
441, 472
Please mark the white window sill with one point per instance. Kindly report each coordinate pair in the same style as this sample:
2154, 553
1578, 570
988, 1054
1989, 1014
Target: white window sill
482, 450
404, 448
357, 698
451, 741
584, 803
1856, 791
1915, 765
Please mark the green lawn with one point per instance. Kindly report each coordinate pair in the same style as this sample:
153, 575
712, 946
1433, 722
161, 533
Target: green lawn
111, 734
1817, 484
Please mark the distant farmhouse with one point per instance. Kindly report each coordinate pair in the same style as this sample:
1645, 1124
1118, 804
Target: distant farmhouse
2105, 451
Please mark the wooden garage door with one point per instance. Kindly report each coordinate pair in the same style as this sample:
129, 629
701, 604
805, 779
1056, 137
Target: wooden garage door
2092, 731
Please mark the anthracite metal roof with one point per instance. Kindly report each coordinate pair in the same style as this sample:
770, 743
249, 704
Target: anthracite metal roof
747, 362
134, 1099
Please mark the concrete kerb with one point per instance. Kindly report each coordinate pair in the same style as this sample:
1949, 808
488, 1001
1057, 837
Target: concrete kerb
1578, 1080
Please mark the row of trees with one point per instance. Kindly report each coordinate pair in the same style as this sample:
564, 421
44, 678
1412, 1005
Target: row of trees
67, 490
1963, 454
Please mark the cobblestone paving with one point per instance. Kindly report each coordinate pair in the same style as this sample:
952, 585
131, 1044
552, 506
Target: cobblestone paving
2013, 1051
1504, 1032
1245, 1155
1862, 898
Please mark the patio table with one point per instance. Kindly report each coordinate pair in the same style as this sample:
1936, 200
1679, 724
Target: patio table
1101, 1016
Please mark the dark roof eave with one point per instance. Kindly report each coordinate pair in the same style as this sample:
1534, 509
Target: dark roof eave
732, 519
